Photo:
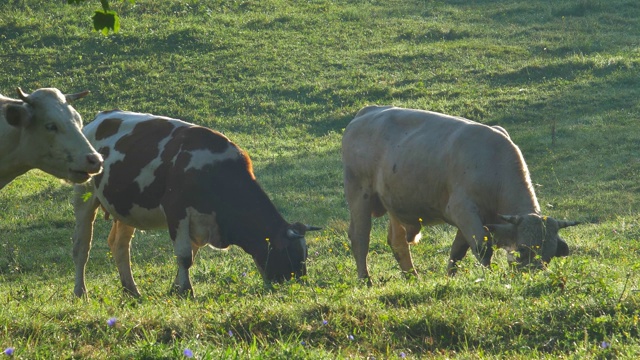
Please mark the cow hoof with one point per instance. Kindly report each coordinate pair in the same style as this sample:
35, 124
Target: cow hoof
186, 293
133, 293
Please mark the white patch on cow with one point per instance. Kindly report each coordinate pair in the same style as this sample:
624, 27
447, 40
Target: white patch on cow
139, 217
146, 178
203, 229
202, 158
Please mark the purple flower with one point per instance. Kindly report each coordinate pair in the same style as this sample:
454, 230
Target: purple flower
303, 343
9, 351
230, 333
112, 321
403, 355
351, 337
324, 322
188, 353
605, 345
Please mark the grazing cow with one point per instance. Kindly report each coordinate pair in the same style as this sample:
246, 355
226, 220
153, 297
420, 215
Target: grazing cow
163, 172
42, 131
425, 168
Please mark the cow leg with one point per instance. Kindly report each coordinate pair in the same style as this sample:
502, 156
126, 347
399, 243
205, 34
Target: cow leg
194, 252
458, 251
397, 238
360, 229
120, 244
85, 213
466, 218
184, 255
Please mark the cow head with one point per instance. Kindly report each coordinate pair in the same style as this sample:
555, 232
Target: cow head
289, 260
535, 238
50, 132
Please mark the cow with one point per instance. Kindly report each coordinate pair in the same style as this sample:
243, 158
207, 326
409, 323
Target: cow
425, 168
43, 131
161, 172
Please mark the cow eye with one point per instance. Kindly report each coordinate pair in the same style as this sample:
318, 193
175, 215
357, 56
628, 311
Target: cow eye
51, 127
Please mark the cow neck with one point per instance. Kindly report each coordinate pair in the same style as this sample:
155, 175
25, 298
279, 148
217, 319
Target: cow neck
12, 164
518, 196
256, 223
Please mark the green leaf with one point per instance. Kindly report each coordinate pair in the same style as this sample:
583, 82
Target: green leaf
86, 196
105, 21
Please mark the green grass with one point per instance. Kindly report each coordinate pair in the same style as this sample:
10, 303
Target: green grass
282, 79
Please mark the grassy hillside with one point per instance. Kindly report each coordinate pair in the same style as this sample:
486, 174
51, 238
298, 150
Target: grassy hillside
282, 79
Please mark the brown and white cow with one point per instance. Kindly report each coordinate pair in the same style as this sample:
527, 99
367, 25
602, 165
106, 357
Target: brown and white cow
162, 172
43, 131
425, 168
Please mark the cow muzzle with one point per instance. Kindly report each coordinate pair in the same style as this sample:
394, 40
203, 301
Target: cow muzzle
92, 165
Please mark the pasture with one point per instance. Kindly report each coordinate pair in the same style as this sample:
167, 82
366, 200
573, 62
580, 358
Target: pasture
282, 79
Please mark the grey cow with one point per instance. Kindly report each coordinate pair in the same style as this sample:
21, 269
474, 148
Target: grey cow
425, 168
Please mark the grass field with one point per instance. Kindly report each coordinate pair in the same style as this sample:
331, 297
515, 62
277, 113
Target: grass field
282, 79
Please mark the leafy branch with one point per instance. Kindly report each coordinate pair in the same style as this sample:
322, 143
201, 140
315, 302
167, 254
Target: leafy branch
104, 20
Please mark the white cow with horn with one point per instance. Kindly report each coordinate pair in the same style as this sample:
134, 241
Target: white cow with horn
43, 131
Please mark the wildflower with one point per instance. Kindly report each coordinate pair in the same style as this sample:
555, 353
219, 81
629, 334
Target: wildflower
188, 353
267, 240
243, 274
403, 355
485, 239
605, 345
303, 343
9, 351
112, 321
324, 322
230, 333
351, 337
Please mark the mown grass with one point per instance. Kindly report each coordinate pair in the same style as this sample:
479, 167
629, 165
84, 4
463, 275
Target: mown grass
282, 79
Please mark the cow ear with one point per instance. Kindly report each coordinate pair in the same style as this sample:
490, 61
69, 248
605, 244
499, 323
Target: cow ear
294, 234
18, 115
564, 223
502, 231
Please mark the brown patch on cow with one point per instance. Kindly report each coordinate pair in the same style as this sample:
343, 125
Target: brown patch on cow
200, 138
248, 164
140, 148
108, 127
104, 151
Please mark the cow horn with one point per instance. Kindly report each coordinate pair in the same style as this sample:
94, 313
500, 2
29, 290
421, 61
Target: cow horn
76, 96
512, 219
313, 228
22, 95
564, 223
